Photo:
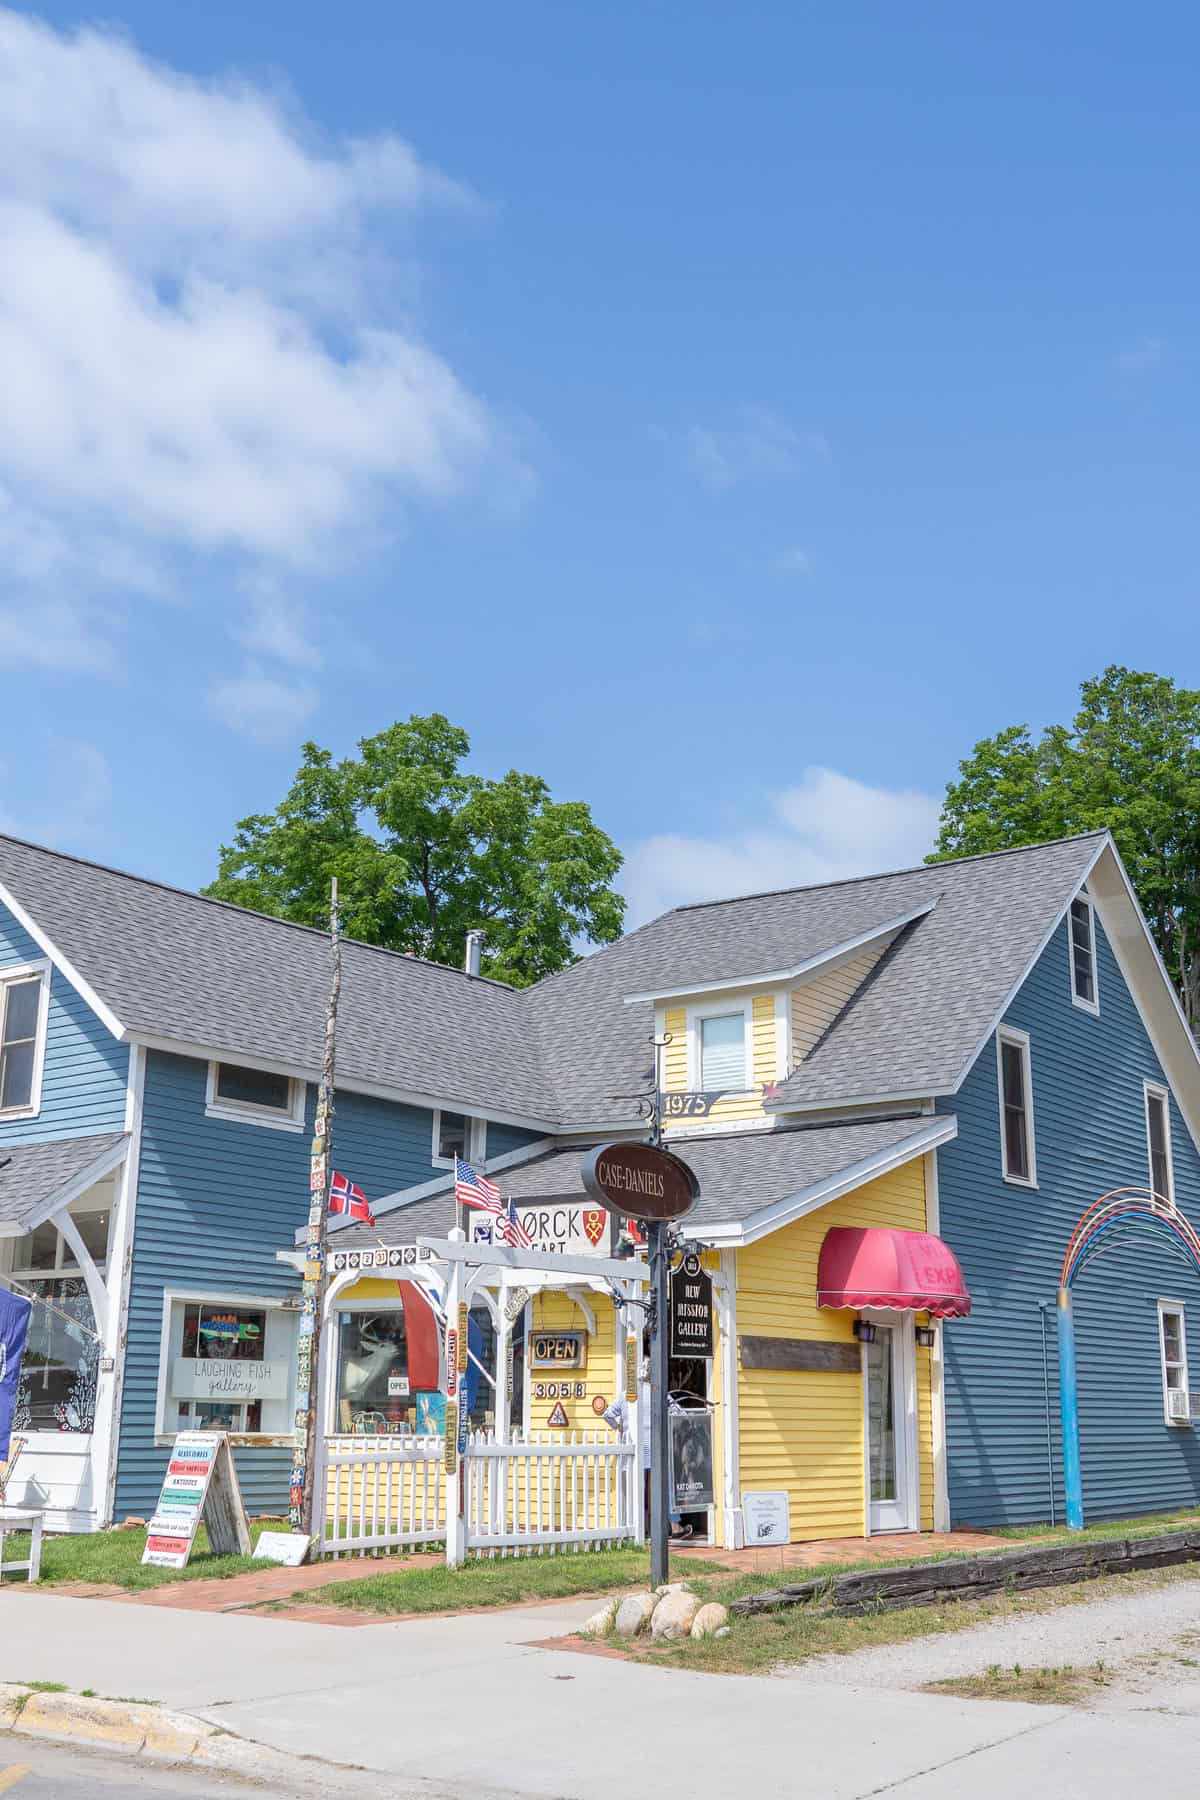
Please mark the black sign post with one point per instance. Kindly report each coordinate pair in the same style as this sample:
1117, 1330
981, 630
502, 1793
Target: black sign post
691, 1309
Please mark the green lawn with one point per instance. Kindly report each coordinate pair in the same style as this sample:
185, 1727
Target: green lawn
116, 1557
506, 1581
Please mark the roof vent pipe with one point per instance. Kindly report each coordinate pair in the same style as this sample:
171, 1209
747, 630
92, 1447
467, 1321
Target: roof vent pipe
474, 952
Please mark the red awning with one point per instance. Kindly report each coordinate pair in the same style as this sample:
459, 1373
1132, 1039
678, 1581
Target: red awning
910, 1271
421, 1336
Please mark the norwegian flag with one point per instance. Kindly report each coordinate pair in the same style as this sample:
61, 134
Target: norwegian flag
344, 1197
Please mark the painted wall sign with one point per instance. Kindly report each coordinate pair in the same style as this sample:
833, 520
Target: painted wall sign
558, 1350
805, 1354
767, 1516
222, 1378
691, 1460
639, 1180
201, 1483
692, 1331
555, 1227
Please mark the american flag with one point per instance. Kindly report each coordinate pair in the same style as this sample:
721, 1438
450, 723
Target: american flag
476, 1190
344, 1197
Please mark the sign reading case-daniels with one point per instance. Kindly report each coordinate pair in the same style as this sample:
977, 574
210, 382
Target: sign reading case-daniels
640, 1181
201, 1483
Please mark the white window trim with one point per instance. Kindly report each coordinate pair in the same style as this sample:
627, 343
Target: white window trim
1087, 1006
23, 972
245, 1112
1010, 1034
1173, 1306
476, 1138
716, 1009
164, 1437
1163, 1093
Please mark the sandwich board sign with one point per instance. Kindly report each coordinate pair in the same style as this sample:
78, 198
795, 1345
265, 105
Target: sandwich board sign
200, 1483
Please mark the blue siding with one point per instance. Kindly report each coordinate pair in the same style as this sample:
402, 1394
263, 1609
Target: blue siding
216, 1200
1090, 1137
501, 1139
85, 1071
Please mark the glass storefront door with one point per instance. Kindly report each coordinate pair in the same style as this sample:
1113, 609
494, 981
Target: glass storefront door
890, 1399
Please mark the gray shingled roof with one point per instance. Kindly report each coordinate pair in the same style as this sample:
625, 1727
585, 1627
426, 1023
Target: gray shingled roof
739, 1176
911, 1028
34, 1173
570, 1050
174, 965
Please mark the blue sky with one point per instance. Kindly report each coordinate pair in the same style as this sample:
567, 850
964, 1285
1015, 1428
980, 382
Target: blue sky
729, 413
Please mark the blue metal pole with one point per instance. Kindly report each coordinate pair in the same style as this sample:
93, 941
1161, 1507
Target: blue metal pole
1068, 1398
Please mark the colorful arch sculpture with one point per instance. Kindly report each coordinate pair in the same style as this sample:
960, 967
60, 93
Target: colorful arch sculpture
1121, 1213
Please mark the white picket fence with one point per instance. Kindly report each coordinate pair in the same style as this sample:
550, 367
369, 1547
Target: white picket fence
380, 1493
549, 1491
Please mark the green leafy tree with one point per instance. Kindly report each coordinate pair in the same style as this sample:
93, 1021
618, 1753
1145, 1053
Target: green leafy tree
1129, 761
424, 851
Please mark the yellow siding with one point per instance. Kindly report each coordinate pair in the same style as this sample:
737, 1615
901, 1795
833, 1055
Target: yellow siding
802, 1430
817, 1003
558, 1312
764, 1063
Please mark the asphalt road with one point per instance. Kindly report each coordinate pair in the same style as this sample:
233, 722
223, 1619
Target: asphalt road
32, 1771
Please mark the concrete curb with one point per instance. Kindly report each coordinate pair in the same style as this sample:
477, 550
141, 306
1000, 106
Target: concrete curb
154, 1732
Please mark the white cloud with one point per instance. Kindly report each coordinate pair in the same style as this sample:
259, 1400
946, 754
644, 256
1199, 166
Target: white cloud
828, 827
55, 635
1147, 353
760, 445
200, 344
278, 628
261, 707
792, 562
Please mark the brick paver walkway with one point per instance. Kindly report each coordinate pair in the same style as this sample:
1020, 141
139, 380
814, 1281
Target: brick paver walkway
238, 1593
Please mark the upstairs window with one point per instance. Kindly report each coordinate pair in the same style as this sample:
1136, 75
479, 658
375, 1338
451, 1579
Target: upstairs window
1082, 928
1158, 1146
722, 1052
22, 1038
1172, 1343
257, 1095
1017, 1152
458, 1134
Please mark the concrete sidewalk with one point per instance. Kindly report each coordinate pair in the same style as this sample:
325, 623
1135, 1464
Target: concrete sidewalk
469, 1706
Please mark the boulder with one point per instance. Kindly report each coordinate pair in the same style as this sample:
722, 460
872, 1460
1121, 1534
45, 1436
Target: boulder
633, 1614
672, 1587
673, 1616
600, 1623
709, 1620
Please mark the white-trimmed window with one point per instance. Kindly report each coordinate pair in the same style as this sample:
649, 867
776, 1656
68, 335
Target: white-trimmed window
257, 1096
1172, 1344
1018, 1156
457, 1134
24, 1004
56, 1391
719, 1049
1158, 1145
226, 1364
1081, 929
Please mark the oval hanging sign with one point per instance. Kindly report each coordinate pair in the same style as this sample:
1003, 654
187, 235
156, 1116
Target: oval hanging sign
639, 1181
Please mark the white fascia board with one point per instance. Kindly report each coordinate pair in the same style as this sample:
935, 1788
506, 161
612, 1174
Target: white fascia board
375, 1090
810, 966
847, 1103
736, 1233
48, 948
78, 1186
442, 1184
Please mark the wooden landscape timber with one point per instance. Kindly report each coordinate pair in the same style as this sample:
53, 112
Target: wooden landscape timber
973, 1577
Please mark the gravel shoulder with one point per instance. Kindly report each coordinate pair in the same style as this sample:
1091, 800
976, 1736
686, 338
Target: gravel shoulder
1148, 1640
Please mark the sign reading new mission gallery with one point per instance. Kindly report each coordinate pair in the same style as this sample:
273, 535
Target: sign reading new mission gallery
691, 1309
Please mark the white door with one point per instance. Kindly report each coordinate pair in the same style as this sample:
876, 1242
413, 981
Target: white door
890, 1425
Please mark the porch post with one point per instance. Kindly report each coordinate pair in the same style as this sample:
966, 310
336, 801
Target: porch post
456, 1549
1068, 1398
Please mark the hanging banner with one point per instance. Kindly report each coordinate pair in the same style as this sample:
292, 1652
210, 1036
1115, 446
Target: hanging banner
14, 1329
201, 1483
691, 1460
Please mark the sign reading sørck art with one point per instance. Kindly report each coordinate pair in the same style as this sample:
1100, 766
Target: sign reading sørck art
561, 1229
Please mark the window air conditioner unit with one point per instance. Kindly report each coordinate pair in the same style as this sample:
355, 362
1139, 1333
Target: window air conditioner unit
1179, 1406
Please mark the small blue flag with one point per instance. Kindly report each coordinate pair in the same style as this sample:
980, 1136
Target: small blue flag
14, 1328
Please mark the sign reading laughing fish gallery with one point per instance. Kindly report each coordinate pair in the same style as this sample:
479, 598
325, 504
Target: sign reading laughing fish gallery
561, 1227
